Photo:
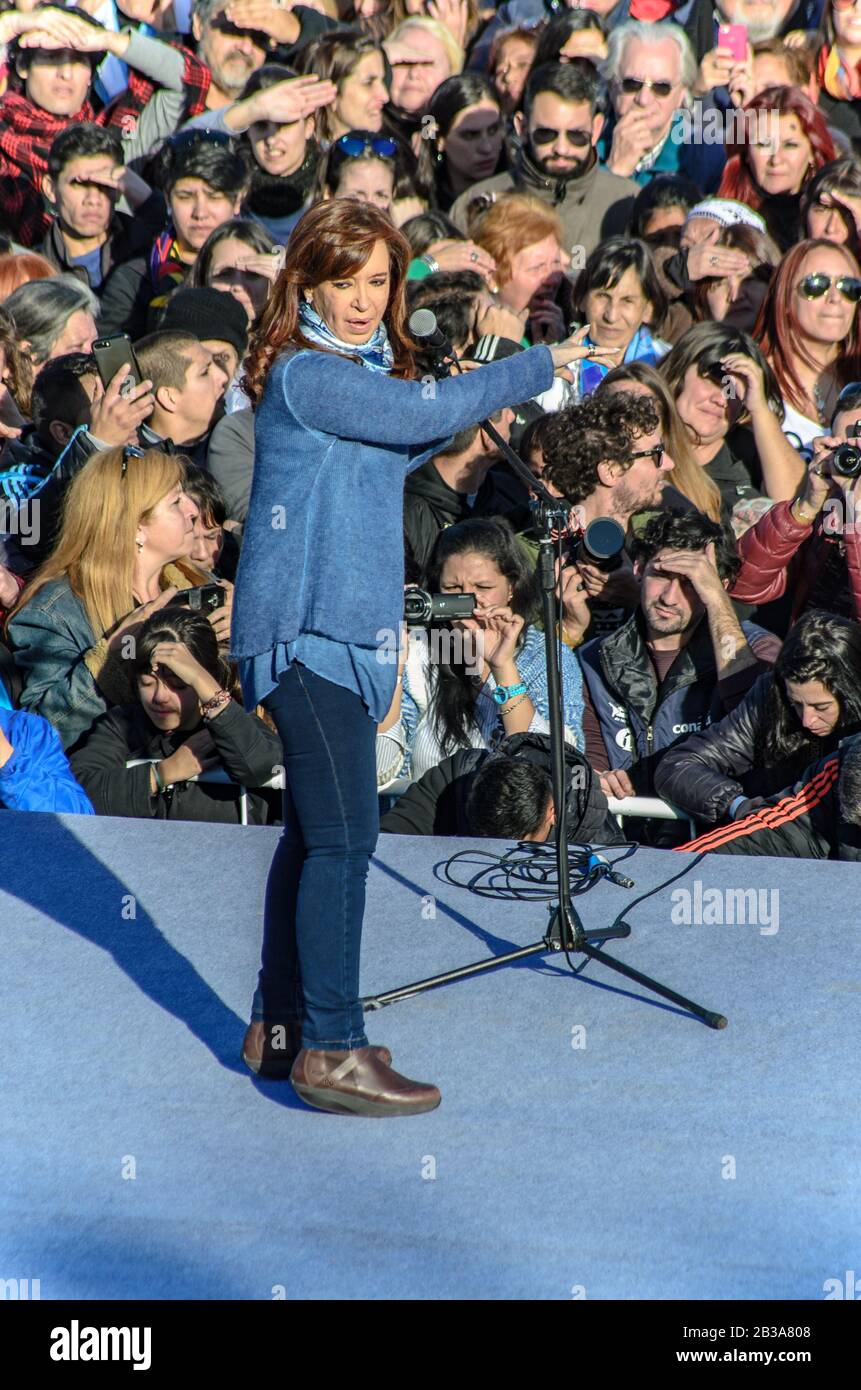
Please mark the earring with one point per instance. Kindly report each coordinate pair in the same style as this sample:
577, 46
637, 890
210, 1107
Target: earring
140, 546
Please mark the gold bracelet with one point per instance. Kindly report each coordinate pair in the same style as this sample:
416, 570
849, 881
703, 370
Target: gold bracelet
512, 706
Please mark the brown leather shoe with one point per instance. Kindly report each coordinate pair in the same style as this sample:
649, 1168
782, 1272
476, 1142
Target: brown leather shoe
358, 1083
271, 1053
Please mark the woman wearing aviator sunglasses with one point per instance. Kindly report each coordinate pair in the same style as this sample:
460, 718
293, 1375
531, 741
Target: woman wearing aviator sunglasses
808, 329
372, 169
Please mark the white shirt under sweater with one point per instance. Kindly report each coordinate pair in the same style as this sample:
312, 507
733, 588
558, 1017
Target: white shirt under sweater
411, 747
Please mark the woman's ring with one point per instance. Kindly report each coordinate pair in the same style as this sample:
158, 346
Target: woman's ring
713, 260
473, 256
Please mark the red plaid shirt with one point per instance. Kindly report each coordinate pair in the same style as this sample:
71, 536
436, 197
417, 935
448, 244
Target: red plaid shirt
27, 133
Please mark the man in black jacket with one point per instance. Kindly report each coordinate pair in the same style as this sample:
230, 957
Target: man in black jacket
817, 818
680, 662
449, 488
506, 794
88, 236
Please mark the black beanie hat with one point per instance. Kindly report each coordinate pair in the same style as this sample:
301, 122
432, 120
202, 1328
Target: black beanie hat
208, 313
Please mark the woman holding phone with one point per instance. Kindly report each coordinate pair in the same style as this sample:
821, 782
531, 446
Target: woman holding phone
340, 420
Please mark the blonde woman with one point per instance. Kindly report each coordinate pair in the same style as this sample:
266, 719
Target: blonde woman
121, 554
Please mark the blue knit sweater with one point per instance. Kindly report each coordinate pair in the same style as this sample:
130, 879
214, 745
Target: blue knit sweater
323, 549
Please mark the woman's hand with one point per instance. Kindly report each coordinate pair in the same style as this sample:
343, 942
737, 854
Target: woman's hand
176, 657
454, 14
498, 630
546, 321
817, 484
198, 754
132, 622
706, 260
574, 349
220, 617
291, 100
752, 393
505, 323
464, 255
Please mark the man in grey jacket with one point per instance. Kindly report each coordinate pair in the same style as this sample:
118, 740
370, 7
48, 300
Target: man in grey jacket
559, 129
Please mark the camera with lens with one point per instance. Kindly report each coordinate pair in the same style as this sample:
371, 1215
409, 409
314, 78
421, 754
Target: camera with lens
421, 608
845, 461
204, 599
601, 545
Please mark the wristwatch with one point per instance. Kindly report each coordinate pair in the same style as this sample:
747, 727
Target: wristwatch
503, 693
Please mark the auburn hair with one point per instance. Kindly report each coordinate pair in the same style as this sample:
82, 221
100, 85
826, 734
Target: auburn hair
780, 335
331, 241
738, 181
513, 224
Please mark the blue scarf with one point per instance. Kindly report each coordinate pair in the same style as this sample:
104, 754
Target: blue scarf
376, 353
642, 348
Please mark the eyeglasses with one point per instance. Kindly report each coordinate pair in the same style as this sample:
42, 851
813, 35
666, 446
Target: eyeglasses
545, 135
816, 285
354, 146
656, 454
632, 85
130, 451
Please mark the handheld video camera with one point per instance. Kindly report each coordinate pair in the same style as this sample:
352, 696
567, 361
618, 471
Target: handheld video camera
421, 608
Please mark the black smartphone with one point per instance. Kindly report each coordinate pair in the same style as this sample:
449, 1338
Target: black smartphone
113, 353
205, 599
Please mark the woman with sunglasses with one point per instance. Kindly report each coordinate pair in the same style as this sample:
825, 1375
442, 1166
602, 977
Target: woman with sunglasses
729, 402
122, 553
808, 329
340, 420
838, 67
785, 142
371, 168
464, 137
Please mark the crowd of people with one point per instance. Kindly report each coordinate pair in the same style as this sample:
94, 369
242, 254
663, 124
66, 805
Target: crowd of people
670, 192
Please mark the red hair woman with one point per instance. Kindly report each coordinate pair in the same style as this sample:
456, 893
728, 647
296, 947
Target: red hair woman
808, 329
785, 141
340, 420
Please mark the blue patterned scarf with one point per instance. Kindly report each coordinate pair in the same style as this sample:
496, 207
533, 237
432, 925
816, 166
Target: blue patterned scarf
376, 353
643, 347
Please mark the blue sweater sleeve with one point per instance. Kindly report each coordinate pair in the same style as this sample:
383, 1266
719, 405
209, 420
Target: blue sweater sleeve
37, 776
329, 394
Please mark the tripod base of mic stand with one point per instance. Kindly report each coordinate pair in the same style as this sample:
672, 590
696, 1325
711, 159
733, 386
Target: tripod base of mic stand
574, 939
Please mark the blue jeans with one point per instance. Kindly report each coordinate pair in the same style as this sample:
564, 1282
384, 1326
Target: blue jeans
315, 896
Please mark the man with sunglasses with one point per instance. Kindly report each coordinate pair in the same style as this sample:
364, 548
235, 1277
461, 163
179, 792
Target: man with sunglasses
651, 70
557, 162
681, 661
236, 37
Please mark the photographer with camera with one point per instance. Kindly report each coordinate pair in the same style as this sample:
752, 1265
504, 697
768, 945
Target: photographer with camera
122, 553
812, 546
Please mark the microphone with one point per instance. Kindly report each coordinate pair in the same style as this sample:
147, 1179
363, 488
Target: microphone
423, 325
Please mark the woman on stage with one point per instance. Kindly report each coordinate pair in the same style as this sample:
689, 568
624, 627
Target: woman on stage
339, 423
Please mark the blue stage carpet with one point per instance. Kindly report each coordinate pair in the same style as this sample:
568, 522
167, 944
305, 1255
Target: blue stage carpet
654, 1159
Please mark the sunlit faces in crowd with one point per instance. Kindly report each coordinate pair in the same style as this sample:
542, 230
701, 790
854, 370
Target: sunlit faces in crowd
560, 134
648, 80
230, 53
196, 209
473, 144
781, 158
57, 80
361, 97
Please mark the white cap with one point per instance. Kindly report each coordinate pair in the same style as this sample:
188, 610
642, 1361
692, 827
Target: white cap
728, 213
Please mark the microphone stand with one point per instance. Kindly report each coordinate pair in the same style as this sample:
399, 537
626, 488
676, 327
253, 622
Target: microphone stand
565, 931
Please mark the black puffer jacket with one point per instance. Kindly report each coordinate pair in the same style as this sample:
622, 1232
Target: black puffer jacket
249, 753
437, 803
806, 821
705, 773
